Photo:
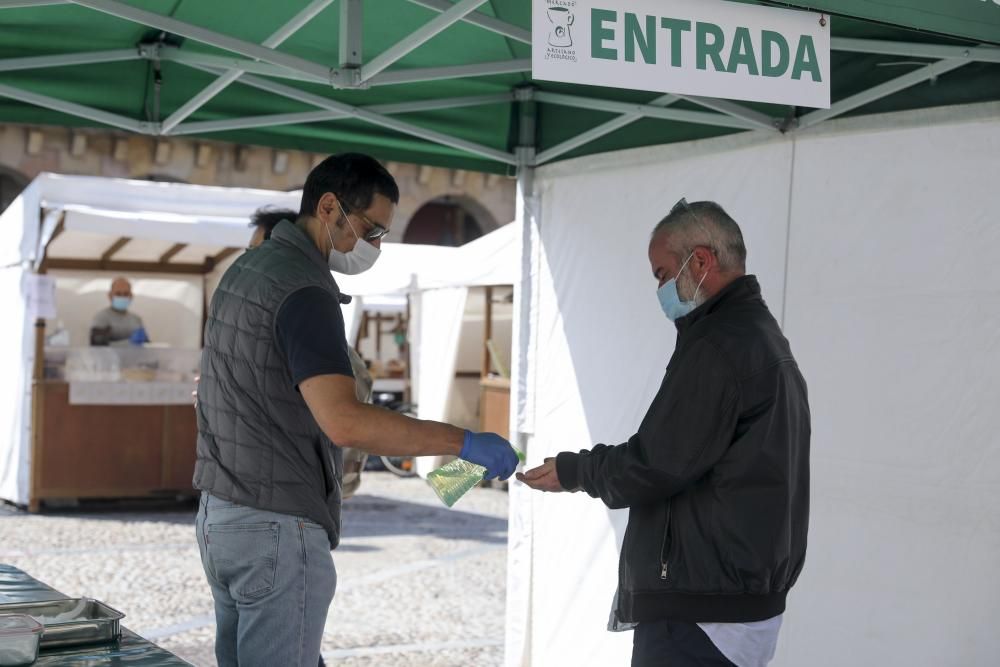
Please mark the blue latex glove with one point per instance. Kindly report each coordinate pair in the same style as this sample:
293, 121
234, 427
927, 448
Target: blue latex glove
139, 337
490, 451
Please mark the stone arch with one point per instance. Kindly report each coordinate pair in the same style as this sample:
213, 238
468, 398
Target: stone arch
12, 182
447, 220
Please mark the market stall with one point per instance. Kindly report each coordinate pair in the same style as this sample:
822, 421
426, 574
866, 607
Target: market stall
116, 421
447, 84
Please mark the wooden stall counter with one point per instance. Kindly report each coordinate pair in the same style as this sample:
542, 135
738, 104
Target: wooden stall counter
494, 406
109, 451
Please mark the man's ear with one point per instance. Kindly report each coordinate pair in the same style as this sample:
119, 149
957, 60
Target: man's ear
703, 258
329, 208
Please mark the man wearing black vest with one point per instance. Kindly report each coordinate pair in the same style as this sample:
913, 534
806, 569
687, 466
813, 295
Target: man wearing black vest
276, 400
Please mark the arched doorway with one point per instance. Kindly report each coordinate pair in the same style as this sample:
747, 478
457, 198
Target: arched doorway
11, 184
448, 221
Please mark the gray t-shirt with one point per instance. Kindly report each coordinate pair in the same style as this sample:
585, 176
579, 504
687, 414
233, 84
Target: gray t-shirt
122, 325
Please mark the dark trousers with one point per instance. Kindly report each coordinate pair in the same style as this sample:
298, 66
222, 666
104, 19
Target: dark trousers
674, 644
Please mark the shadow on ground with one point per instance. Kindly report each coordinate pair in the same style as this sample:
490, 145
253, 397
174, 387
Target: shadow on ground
363, 516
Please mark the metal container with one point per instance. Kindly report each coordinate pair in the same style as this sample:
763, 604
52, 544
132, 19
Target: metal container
71, 621
19, 634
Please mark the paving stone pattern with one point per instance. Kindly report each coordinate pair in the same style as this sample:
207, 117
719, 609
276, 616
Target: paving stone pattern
418, 584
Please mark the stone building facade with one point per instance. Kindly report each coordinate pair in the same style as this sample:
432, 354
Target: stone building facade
26, 151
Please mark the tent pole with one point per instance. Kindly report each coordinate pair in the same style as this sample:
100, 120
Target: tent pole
225, 63
414, 40
18, 4
880, 91
517, 633
351, 40
79, 110
442, 103
645, 110
217, 86
378, 119
762, 121
420, 74
320, 116
344, 78
64, 59
490, 23
199, 34
271, 120
600, 131
487, 330
986, 54
37, 412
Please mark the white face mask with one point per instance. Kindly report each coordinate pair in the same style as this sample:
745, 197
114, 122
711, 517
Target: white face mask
358, 259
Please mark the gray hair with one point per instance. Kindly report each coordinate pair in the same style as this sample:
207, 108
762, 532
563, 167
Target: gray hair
705, 223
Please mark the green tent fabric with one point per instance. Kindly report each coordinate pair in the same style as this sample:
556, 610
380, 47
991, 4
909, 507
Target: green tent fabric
970, 19
469, 122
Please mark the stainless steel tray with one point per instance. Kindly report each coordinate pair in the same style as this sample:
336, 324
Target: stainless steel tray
71, 621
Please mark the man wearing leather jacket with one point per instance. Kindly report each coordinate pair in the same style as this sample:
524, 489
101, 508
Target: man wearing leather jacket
716, 478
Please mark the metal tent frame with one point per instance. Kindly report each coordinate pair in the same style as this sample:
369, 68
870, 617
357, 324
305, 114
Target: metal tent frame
250, 61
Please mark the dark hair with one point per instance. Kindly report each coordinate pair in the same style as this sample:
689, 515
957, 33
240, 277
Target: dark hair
353, 177
268, 217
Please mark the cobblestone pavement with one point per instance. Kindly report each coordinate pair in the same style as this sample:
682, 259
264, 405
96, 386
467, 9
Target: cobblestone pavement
418, 584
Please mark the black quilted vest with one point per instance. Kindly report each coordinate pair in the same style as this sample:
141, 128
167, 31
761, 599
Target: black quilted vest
258, 444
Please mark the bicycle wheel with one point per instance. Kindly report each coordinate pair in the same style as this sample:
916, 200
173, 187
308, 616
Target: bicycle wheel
401, 466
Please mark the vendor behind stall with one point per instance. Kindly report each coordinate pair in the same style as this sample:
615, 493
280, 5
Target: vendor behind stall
116, 323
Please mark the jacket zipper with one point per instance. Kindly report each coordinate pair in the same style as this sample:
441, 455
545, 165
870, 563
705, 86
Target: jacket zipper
664, 565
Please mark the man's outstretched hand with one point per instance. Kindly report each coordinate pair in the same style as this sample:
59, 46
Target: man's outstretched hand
542, 478
490, 451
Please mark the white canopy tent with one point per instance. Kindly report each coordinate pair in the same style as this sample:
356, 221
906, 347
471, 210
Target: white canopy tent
180, 238
172, 239
875, 241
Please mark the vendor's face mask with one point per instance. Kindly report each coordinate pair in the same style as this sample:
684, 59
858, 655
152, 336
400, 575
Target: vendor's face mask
121, 303
670, 300
357, 260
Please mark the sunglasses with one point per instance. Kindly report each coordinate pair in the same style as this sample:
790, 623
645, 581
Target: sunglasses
375, 230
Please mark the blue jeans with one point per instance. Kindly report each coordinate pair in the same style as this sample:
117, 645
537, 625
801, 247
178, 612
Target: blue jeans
272, 577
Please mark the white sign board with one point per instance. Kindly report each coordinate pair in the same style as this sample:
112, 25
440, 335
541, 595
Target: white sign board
40, 296
709, 48
130, 393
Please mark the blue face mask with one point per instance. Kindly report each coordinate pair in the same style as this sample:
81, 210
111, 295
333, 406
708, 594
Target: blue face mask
120, 303
670, 300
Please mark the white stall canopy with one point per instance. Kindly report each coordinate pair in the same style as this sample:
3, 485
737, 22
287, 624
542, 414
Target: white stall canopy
93, 223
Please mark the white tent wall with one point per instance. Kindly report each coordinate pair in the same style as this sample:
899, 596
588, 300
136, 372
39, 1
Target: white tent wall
893, 311
20, 242
170, 305
436, 324
21, 225
603, 344
17, 358
894, 315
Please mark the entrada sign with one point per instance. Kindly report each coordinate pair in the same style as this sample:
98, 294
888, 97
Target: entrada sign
712, 48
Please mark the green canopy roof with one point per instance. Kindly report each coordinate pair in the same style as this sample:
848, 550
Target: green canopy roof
437, 82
